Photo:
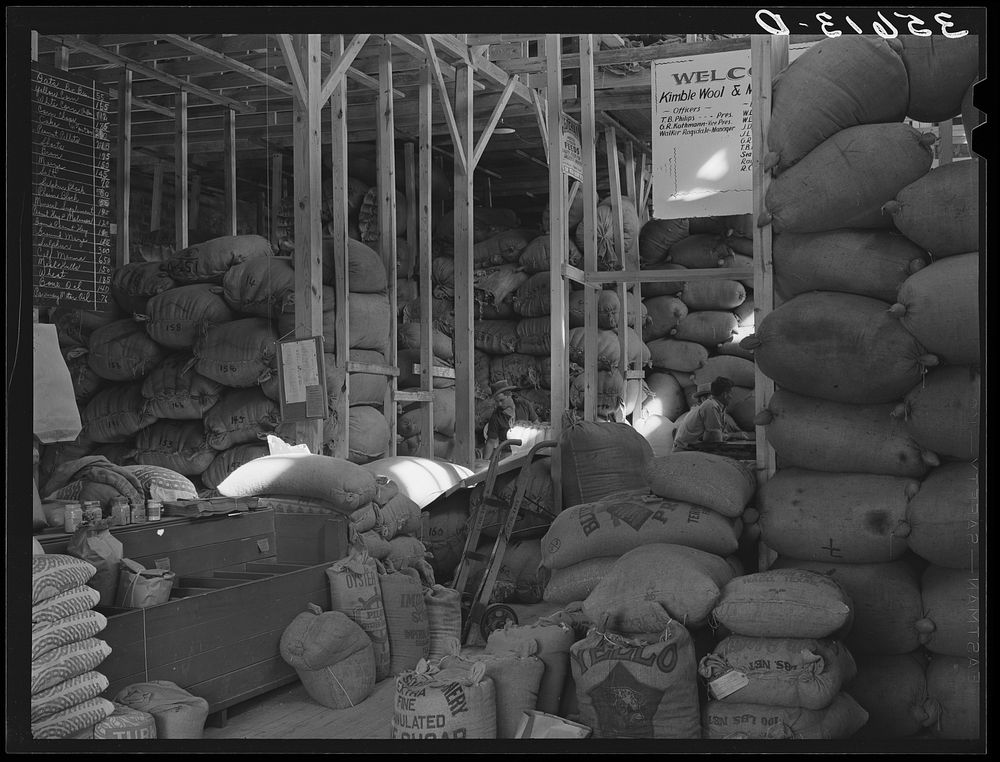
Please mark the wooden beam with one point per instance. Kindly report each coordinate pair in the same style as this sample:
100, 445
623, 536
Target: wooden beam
338, 162
123, 148
484, 139
229, 172
588, 131
465, 414
385, 153
446, 105
307, 202
157, 200
455, 46
288, 52
610, 121
666, 276
181, 173
486, 68
424, 254
541, 116
341, 65
618, 226
147, 71
230, 63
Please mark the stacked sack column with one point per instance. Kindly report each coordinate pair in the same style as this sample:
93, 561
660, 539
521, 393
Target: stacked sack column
839, 351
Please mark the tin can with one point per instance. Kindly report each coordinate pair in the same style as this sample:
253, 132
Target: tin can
154, 509
92, 511
121, 514
138, 514
72, 518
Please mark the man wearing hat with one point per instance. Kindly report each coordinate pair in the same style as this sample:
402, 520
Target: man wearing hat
708, 421
502, 418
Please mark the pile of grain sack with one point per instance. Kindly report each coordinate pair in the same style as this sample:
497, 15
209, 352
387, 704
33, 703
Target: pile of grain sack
184, 375
874, 349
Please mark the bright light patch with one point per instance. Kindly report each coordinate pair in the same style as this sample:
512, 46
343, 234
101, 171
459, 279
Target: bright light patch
715, 168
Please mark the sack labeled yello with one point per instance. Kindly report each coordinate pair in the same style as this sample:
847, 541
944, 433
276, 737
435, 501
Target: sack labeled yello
139, 587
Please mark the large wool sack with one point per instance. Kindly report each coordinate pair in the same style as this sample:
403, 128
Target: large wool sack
657, 236
229, 460
819, 516
627, 519
576, 581
332, 656
181, 446
534, 258
803, 672
716, 482
737, 369
399, 515
951, 603
445, 533
783, 603
549, 641
668, 396
654, 584
939, 211
944, 517
366, 388
345, 485
665, 312
713, 294
174, 389
405, 618
371, 320
368, 434
604, 226
844, 181
208, 262
954, 683
328, 301
495, 289
821, 435
658, 430
698, 251
499, 337
122, 351
608, 310
611, 392
642, 687
178, 318
240, 416
408, 423
533, 337
241, 353
516, 678
892, 688
839, 347
663, 287
829, 88
675, 354
355, 591
600, 458
609, 355
259, 286
74, 326
135, 283
366, 272
431, 702
729, 720
939, 305
502, 248
533, 297
867, 262
885, 602
938, 69
86, 382
942, 411
408, 337
115, 414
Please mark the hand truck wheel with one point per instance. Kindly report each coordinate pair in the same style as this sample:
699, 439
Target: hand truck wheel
495, 618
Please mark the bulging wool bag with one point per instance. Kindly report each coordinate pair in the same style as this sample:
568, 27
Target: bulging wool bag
942, 411
938, 70
839, 347
174, 389
892, 688
180, 446
355, 591
844, 181
641, 687
576, 581
178, 318
208, 262
730, 720
954, 684
625, 520
600, 458
123, 351
332, 656
116, 413
657, 236
431, 702
665, 312
365, 270
655, 584
823, 435
677, 355
944, 517
604, 226
949, 597
259, 286
135, 283
229, 460
549, 641
240, 416
794, 672
716, 482
239, 354
706, 327
405, 618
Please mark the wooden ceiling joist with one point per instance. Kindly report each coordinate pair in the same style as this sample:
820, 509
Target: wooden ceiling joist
340, 67
137, 66
224, 60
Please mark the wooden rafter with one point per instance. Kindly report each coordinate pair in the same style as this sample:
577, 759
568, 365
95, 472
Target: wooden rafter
292, 64
231, 63
341, 65
484, 139
446, 104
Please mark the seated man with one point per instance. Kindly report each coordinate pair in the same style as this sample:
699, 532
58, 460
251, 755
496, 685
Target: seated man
708, 422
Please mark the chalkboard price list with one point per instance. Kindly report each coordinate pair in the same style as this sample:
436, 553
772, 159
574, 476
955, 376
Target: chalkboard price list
71, 191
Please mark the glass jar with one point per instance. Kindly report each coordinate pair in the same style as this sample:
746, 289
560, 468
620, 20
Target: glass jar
92, 511
154, 510
121, 513
72, 517
138, 513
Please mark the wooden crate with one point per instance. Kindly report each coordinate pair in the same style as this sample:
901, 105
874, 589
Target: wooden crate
236, 591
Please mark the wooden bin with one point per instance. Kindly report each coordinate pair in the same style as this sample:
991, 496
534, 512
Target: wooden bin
235, 593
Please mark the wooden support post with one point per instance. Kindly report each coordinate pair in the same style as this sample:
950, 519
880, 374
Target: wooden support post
157, 200
341, 351
426, 286
276, 194
229, 168
614, 179
385, 149
194, 201
630, 263
181, 172
465, 412
410, 186
768, 55
588, 137
307, 200
123, 179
